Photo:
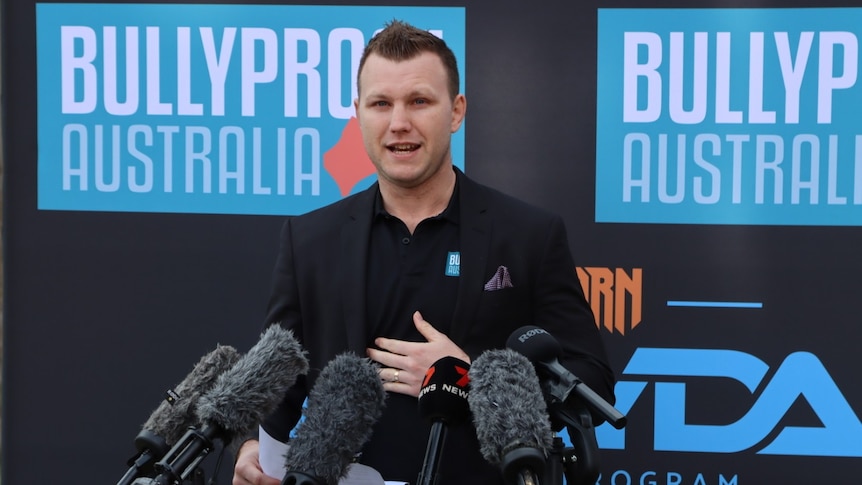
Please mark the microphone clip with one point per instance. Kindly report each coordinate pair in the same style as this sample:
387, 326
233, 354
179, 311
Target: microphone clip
299, 478
522, 465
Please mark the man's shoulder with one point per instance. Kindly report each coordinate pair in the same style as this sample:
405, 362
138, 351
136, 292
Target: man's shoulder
495, 201
351, 205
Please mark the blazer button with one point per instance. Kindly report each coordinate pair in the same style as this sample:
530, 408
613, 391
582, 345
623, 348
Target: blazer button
405, 240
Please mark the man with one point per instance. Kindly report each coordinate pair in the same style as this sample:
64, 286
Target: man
381, 272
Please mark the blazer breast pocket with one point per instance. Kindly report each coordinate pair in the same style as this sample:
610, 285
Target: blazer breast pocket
505, 305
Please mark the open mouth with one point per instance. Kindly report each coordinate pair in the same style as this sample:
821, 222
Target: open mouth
403, 148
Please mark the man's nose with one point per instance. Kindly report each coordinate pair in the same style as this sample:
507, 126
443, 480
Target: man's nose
400, 120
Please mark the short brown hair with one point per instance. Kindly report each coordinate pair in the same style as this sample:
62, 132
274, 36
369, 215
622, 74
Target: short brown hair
400, 41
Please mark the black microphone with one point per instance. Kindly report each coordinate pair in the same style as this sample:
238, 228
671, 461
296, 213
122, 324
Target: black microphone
240, 399
170, 420
571, 403
510, 415
443, 401
345, 402
558, 383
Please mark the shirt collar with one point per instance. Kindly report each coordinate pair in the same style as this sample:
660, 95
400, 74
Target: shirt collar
451, 213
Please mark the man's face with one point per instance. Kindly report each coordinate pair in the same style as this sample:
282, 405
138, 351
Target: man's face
407, 117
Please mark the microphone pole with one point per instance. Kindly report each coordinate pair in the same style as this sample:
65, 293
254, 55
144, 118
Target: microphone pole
431, 464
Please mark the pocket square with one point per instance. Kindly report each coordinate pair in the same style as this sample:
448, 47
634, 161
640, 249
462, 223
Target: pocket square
500, 280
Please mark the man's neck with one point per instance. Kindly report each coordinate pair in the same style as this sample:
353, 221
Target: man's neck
415, 204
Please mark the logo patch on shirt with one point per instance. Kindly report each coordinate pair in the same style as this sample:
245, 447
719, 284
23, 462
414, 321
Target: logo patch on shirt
453, 264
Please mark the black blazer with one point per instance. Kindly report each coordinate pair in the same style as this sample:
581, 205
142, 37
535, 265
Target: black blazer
319, 280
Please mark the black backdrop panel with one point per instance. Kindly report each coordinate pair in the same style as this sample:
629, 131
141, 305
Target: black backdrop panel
104, 311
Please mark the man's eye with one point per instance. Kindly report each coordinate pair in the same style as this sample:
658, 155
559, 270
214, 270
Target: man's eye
421, 101
381, 103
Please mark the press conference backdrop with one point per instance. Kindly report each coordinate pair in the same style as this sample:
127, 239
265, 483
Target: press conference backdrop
706, 157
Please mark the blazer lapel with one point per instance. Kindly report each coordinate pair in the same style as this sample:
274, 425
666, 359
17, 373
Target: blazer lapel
354, 258
475, 244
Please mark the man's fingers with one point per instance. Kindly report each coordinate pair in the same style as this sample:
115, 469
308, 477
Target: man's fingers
424, 327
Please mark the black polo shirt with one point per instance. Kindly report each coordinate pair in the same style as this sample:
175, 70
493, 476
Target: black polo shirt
409, 272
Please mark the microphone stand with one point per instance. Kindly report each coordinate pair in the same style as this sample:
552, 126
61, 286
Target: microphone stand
428, 474
186, 455
579, 464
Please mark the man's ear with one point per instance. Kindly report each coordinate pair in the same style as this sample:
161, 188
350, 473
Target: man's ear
459, 110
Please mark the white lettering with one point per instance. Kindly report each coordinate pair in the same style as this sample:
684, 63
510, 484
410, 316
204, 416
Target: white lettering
792, 72
146, 161
688, 84
251, 77
827, 82
341, 106
634, 70
678, 113
217, 65
708, 170
154, 78
112, 158
70, 65
113, 105
293, 68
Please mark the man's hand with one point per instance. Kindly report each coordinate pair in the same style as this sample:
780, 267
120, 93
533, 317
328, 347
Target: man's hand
247, 470
405, 363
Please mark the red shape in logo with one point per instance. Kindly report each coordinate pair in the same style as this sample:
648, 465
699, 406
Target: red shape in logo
428, 375
465, 379
347, 162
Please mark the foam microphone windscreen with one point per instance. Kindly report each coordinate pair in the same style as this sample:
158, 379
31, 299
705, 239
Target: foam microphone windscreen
345, 402
508, 409
444, 391
254, 387
177, 412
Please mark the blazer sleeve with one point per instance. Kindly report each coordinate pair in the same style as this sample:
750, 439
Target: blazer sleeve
562, 309
283, 309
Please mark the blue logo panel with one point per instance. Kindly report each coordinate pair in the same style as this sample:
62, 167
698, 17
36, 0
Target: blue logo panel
729, 116
231, 109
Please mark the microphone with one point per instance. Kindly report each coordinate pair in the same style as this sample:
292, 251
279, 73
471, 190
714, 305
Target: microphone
443, 401
240, 399
558, 383
169, 421
345, 402
510, 415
